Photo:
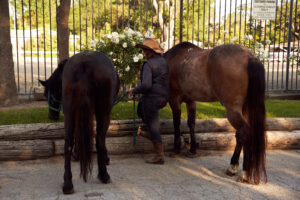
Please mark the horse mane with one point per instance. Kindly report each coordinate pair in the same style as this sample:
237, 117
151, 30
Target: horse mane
179, 47
57, 74
62, 64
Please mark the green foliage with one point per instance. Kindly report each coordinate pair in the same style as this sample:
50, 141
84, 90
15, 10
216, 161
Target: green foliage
25, 116
123, 110
40, 43
278, 33
91, 19
191, 29
282, 108
36, 12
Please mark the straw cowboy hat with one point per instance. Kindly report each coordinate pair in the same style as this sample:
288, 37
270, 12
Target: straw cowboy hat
151, 44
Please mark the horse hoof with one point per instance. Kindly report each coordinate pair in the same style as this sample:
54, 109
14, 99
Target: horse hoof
105, 178
176, 151
191, 154
177, 146
243, 177
232, 170
173, 154
68, 189
107, 161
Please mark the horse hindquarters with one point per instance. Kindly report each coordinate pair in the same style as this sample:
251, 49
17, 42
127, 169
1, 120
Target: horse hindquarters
251, 134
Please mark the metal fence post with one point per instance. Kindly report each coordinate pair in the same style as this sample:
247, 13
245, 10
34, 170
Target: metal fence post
289, 46
229, 25
181, 21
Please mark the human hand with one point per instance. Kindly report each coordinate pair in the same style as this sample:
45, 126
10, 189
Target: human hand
130, 91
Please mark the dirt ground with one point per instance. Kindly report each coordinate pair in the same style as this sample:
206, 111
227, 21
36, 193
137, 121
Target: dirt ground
180, 178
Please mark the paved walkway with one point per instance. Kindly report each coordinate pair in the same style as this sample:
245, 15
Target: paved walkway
179, 178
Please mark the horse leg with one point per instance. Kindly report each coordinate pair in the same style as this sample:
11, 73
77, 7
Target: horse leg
234, 163
176, 111
75, 153
107, 159
237, 121
69, 141
191, 107
103, 120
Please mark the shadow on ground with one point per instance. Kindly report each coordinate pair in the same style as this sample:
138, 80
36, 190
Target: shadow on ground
180, 178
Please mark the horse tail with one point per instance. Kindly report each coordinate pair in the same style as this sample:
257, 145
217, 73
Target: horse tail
84, 133
257, 141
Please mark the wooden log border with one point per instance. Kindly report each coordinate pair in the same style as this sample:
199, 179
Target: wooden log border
120, 128
32, 141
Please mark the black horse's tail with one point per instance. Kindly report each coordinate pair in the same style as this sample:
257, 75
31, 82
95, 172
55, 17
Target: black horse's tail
257, 141
84, 131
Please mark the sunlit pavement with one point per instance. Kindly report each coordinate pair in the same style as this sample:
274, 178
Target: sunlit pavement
180, 178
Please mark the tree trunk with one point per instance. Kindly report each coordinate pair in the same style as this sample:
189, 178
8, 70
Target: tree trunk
62, 18
8, 88
165, 27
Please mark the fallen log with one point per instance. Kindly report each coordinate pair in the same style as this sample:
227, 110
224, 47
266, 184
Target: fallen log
206, 141
120, 128
34, 149
26, 149
115, 145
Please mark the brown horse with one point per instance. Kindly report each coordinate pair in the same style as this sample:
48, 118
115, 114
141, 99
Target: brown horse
232, 75
87, 84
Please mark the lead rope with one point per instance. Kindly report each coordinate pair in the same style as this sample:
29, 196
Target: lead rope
125, 95
133, 117
55, 100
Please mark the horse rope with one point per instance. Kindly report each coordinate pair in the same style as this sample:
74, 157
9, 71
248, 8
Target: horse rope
55, 100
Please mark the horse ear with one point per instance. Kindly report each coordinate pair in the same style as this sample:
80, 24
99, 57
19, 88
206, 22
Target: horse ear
43, 83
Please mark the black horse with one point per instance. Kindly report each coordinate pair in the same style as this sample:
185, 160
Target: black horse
86, 84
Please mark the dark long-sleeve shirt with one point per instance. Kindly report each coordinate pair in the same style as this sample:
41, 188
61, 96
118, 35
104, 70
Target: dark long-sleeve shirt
146, 80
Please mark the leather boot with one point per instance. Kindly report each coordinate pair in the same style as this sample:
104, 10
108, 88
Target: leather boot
159, 154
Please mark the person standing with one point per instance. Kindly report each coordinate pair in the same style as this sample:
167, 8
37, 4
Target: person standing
154, 87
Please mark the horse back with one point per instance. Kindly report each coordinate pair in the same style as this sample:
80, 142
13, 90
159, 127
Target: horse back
189, 73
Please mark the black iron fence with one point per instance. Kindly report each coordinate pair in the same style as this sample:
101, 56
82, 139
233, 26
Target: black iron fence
206, 23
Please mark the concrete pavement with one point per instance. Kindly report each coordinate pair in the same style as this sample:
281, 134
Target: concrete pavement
180, 178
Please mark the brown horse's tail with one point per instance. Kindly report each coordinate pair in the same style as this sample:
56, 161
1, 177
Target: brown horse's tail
257, 141
84, 134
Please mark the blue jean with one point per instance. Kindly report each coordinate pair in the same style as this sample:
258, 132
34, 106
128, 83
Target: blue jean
148, 109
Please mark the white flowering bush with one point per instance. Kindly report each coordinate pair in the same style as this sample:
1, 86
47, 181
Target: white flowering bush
258, 48
259, 51
232, 40
120, 47
295, 58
